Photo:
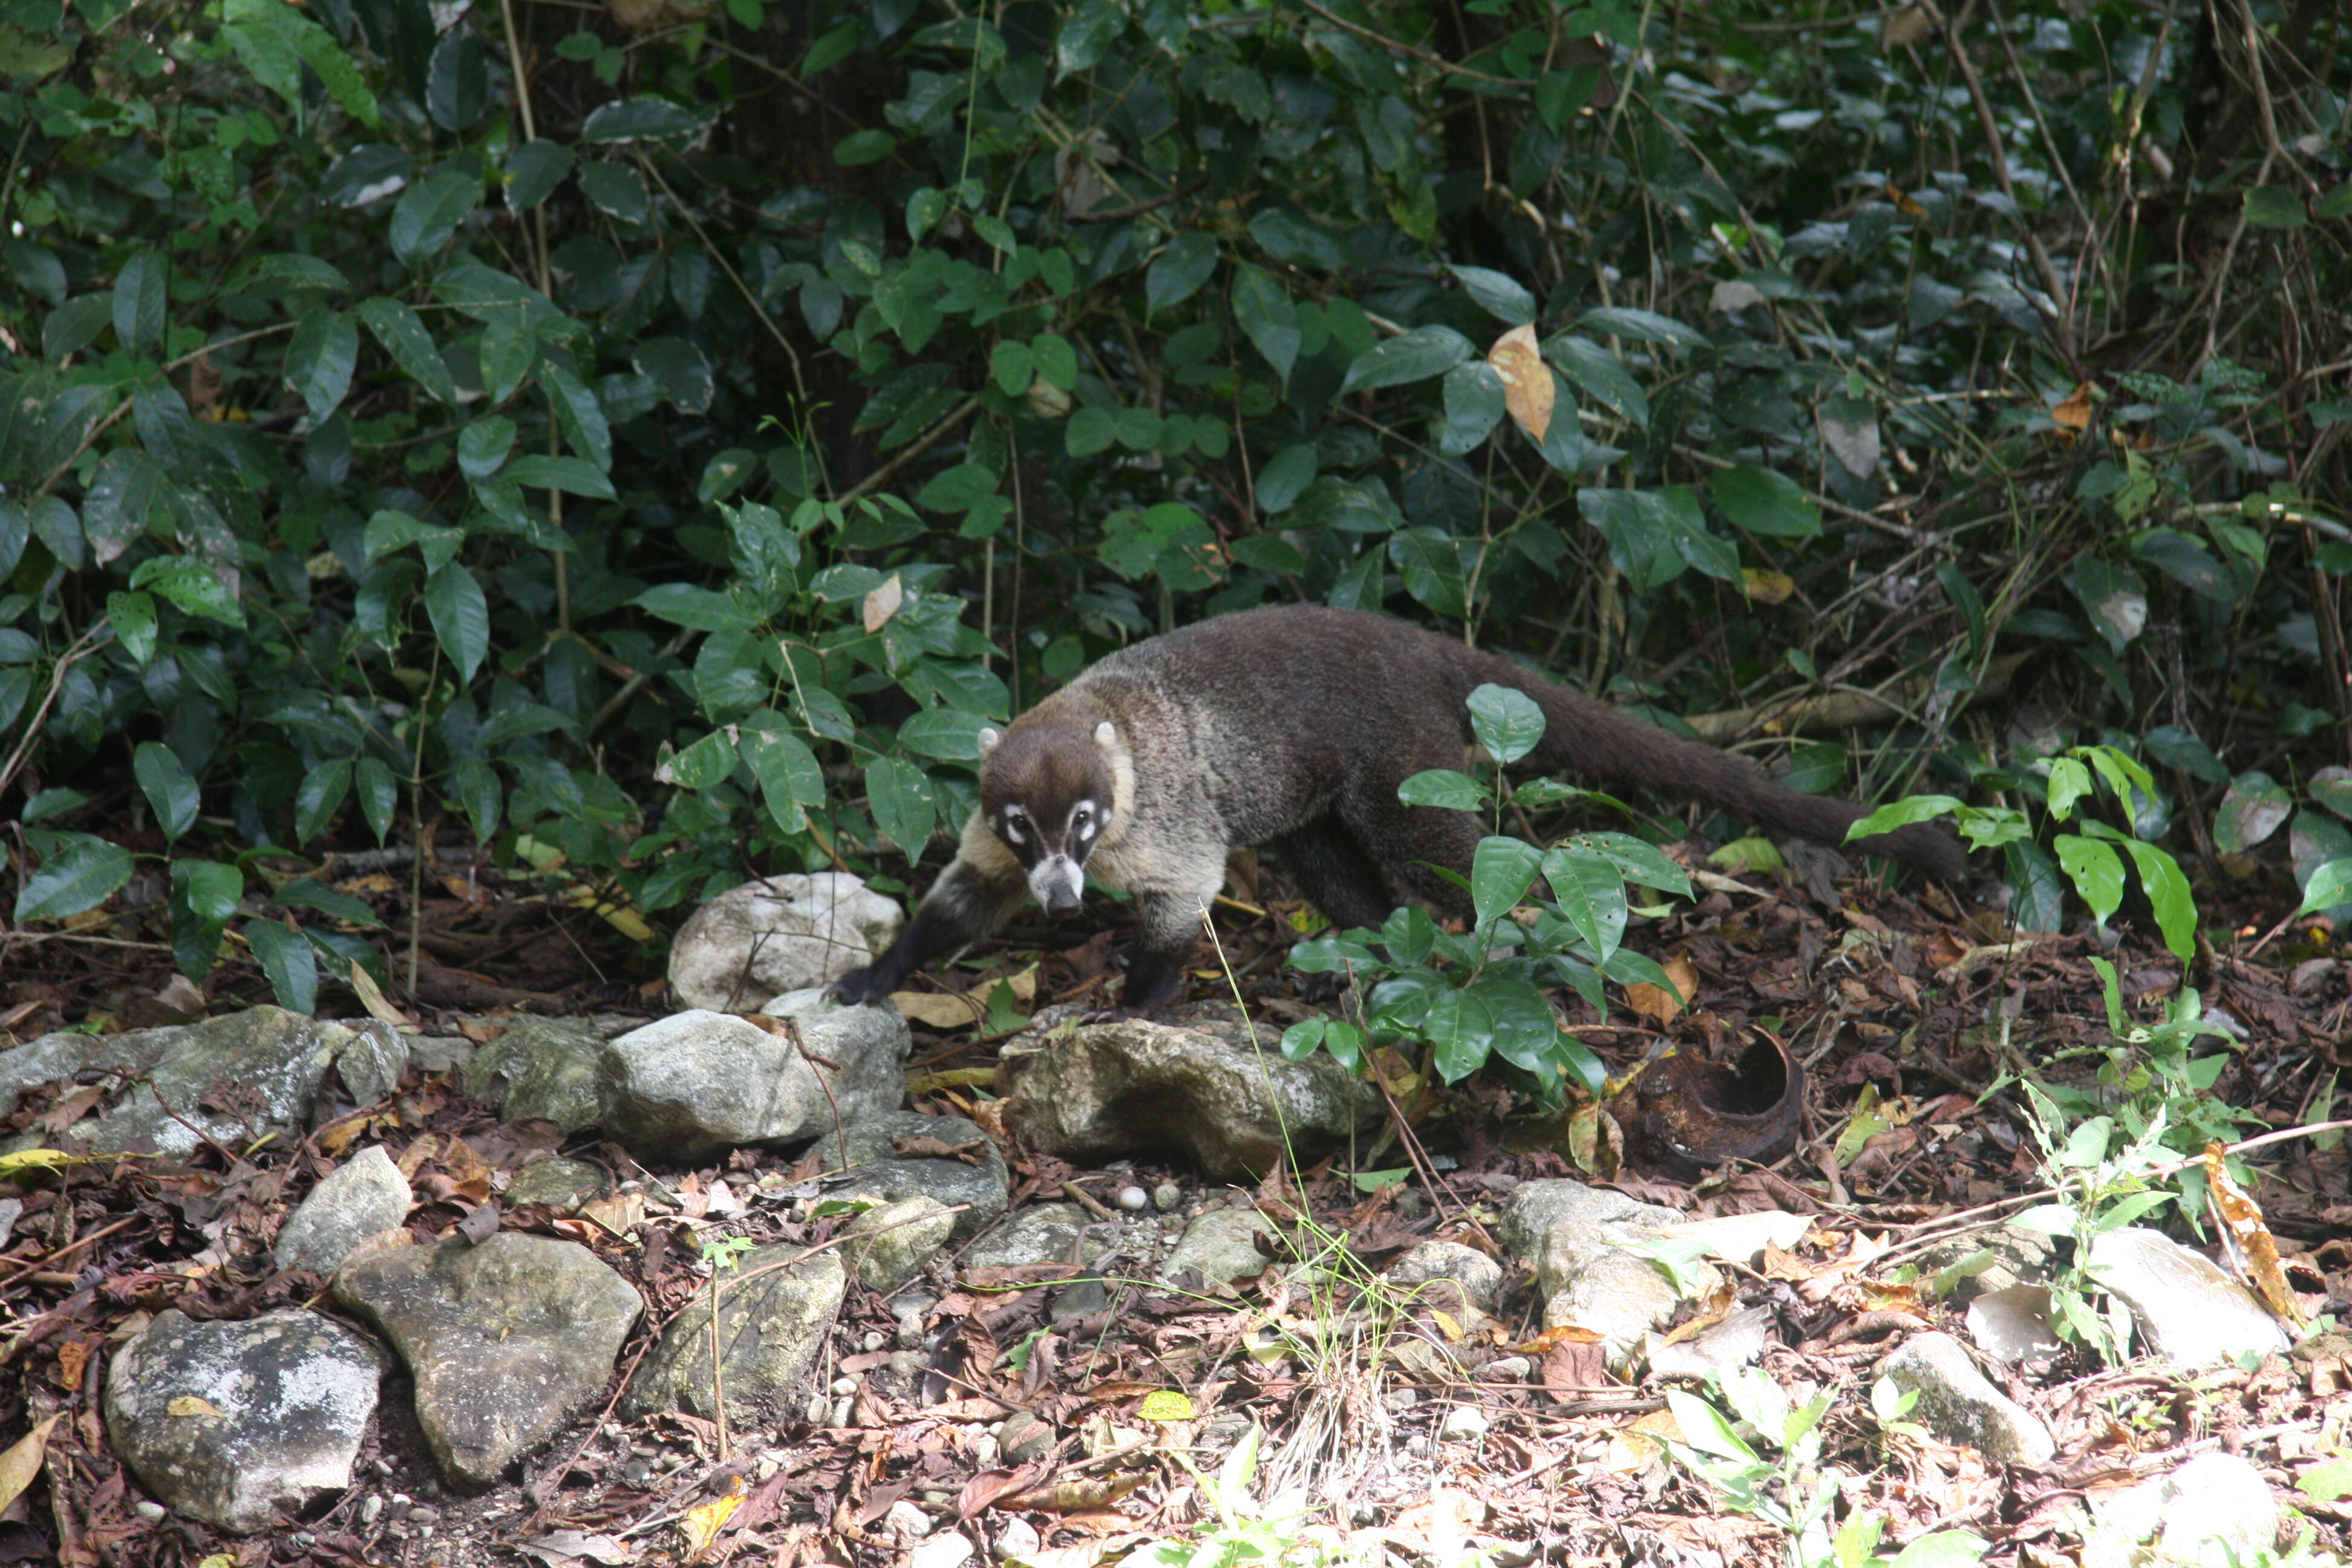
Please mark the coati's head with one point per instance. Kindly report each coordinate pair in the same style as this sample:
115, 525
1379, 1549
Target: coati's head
1048, 791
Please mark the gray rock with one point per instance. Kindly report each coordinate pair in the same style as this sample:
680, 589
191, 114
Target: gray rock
1211, 1090
1959, 1405
1476, 1278
2216, 1508
1731, 1341
1463, 1424
771, 1327
1015, 1538
1965, 1267
365, 1196
874, 1164
1044, 1234
2013, 1323
688, 1088
2188, 1311
541, 1069
948, 1549
1534, 1207
1593, 1262
506, 1340
371, 1064
899, 1238
433, 1054
559, 1184
1220, 1244
284, 1400
1024, 1437
783, 933
235, 1079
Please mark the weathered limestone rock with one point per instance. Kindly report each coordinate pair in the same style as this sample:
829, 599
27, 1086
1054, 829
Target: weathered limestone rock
783, 933
900, 1237
366, 1194
1959, 1405
771, 1327
875, 1165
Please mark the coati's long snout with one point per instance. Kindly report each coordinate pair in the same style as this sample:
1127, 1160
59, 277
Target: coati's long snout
1290, 726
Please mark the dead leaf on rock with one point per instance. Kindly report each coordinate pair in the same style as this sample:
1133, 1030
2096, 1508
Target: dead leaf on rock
1656, 1002
192, 1405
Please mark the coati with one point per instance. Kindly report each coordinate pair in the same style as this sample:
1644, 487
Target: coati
1291, 726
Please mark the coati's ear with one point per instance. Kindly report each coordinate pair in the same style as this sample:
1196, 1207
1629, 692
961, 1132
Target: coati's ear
1106, 734
988, 739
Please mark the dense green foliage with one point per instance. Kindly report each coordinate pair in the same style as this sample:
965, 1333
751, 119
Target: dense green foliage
656, 440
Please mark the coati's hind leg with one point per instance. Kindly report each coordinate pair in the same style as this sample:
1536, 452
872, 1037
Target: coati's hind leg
1335, 873
1410, 841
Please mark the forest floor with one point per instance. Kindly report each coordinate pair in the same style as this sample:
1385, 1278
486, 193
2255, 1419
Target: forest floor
1912, 1017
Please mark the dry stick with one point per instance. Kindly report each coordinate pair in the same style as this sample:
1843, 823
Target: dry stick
82, 647
840, 1134
48, 1260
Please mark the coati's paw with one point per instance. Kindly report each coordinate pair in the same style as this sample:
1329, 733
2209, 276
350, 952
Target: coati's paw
858, 987
1323, 989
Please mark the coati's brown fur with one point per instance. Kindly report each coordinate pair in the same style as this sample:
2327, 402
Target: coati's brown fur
1290, 726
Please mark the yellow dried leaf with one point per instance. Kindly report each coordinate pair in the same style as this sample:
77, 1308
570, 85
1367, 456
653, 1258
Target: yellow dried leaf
1526, 380
1768, 588
34, 1160
23, 1460
2073, 415
704, 1521
192, 1405
1165, 1404
373, 998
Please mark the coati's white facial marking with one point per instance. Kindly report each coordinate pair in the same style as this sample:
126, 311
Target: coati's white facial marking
1014, 825
1085, 821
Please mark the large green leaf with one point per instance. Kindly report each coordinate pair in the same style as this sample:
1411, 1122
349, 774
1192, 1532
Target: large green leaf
460, 613
288, 964
1417, 355
401, 330
427, 214
1762, 501
139, 298
901, 797
320, 358
1501, 871
1507, 721
80, 873
170, 788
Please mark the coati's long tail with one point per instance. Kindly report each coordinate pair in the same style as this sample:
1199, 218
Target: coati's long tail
1587, 737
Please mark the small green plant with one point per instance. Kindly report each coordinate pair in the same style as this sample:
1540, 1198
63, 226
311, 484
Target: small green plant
1791, 1491
1277, 1531
1478, 995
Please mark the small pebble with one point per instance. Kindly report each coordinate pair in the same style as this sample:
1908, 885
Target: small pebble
906, 1522
370, 1509
843, 1387
1133, 1199
302, 1539
769, 1464
635, 1472
154, 1513
948, 1549
1463, 1424
1417, 1446
421, 1514
845, 1413
875, 1339
1509, 1369
1166, 1197
984, 1450
1015, 1538
1400, 1399
401, 1499
817, 1407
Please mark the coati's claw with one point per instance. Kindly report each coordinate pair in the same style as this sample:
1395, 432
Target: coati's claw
1104, 1015
856, 988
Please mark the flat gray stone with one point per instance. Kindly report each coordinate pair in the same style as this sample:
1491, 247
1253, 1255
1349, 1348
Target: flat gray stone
1220, 1245
1534, 1207
690, 1087
365, 1196
1473, 1276
874, 1165
1961, 1407
2187, 1311
272, 1410
234, 1078
1043, 1234
793, 932
559, 1184
506, 1341
541, 1069
899, 1238
2215, 1509
771, 1327
1212, 1090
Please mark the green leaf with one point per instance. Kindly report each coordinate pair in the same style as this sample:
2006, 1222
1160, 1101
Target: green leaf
1903, 813
170, 788
1268, 317
428, 213
1417, 355
1012, 366
1178, 272
705, 762
2168, 893
791, 779
401, 330
646, 118
1057, 362
204, 897
378, 793
684, 605
1601, 375
320, 797
1764, 503
456, 81
1285, 478
478, 792
132, 615
1460, 1032
950, 734
866, 146
80, 873
1507, 722
309, 893
574, 476
460, 614
1502, 297
1644, 327
2254, 807
119, 502
320, 361
2274, 207
901, 797
139, 300
389, 530
2096, 872
533, 170
287, 962
1501, 871
1644, 864
191, 585
2330, 885
483, 445
1473, 407
1591, 893
1443, 788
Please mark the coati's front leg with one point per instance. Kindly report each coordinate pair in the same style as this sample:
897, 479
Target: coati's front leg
1155, 963
964, 905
